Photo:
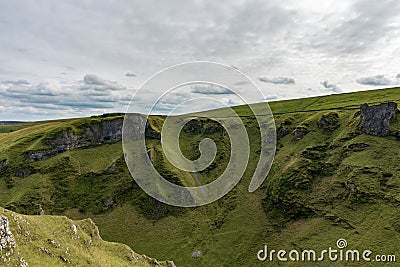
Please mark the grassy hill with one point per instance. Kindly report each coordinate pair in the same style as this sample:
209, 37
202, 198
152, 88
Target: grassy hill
59, 241
333, 182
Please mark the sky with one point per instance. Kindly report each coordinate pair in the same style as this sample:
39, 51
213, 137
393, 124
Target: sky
61, 59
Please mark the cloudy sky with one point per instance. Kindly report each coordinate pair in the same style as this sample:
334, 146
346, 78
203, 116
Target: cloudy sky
77, 58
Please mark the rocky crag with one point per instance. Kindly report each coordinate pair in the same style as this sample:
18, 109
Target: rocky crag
106, 131
375, 120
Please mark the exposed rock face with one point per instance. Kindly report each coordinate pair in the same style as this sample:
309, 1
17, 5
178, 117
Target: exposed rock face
375, 120
108, 203
23, 173
3, 164
39, 155
299, 132
107, 131
112, 168
329, 122
6, 237
281, 131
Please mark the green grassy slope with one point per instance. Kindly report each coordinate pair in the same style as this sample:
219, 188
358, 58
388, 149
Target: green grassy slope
59, 241
333, 183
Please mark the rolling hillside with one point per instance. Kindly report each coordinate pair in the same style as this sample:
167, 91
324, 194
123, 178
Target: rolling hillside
59, 241
335, 175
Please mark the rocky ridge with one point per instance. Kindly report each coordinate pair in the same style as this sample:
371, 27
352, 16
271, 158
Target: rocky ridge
107, 131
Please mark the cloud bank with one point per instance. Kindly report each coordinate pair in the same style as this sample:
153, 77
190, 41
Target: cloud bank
55, 98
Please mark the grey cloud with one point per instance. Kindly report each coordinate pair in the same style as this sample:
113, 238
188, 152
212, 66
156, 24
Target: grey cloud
125, 98
366, 23
376, 80
87, 105
252, 35
93, 79
208, 89
111, 86
106, 99
172, 100
130, 74
271, 97
96, 83
241, 83
41, 89
398, 76
179, 103
11, 95
45, 89
17, 82
277, 80
102, 88
331, 87
41, 106
213, 32
35, 99
90, 93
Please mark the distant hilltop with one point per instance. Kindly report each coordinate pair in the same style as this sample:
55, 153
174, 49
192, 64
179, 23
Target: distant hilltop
10, 122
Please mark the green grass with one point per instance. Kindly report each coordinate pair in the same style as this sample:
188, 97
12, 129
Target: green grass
333, 183
8, 128
51, 241
329, 102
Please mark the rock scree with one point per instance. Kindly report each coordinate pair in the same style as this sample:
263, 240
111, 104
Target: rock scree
7, 241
